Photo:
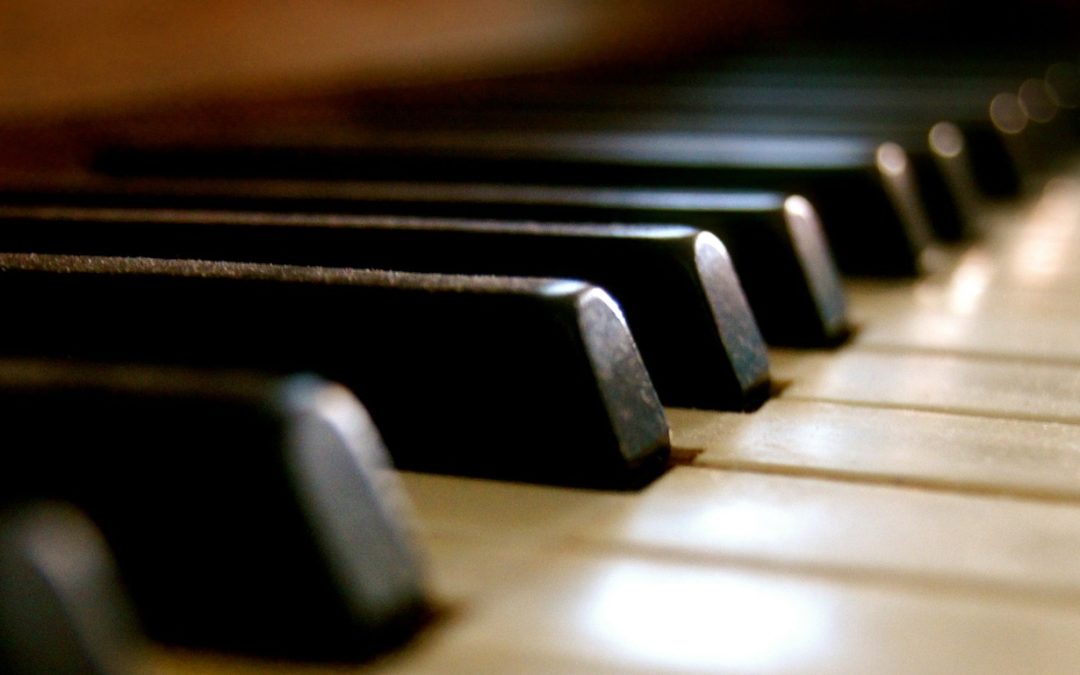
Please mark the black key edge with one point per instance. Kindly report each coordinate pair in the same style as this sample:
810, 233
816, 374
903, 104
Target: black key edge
820, 272
642, 438
739, 331
355, 508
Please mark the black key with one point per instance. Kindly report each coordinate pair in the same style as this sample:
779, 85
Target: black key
1050, 137
892, 98
678, 290
1063, 81
866, 192
1000, 160
246, 512
984, 66
1013, 125
952, 193
62, 610
514, 378
726, 88
830, 102
944, 173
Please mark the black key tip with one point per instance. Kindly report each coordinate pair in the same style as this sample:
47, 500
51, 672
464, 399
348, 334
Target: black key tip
62, 610
819, 269
355, 508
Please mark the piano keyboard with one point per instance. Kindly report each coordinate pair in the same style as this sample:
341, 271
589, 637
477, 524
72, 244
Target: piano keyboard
904, 505
908, 501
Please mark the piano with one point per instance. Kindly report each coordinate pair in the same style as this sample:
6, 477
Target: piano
906, 499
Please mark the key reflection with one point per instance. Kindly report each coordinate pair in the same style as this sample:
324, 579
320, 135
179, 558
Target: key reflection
891, 159
1044, 248
701, 620
965, 292
946, 140
1037, 262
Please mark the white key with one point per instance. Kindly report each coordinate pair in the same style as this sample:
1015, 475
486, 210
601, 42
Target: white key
506, 514
1004, 334
855, 531
848, 442
602, 614
987, 387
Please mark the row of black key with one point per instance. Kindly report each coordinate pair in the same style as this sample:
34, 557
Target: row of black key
850, 182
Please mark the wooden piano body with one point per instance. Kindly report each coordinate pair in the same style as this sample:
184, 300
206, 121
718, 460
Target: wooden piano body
909, 502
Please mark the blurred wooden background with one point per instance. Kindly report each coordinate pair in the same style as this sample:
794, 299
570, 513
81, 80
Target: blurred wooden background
70, 69
59, 57
64, 56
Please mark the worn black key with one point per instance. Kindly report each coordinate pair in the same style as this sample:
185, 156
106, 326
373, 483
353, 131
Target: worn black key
62, 610
246, 512
515, 378
866, 192
681, 297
